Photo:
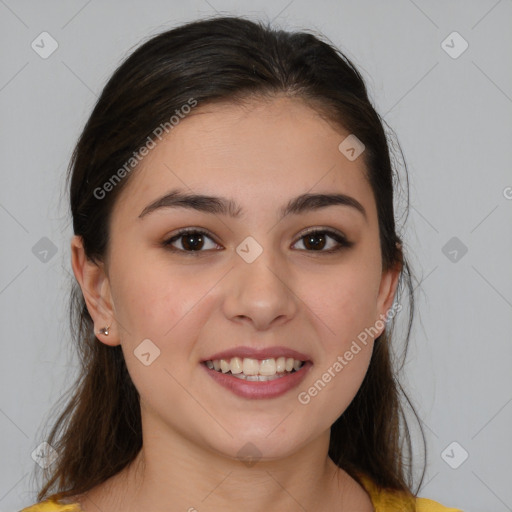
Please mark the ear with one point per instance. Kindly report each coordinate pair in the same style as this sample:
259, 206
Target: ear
95, 286
387, 290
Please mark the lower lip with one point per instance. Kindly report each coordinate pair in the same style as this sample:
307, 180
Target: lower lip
256, 389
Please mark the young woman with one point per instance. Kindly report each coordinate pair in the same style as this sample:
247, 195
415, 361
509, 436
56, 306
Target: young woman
239, 268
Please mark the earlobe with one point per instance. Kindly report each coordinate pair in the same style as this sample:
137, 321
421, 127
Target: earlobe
95, 287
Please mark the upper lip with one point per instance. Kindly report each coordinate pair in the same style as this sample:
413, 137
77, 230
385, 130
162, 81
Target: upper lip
257, 353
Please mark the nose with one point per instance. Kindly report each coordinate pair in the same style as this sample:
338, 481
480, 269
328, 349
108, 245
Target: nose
260, 293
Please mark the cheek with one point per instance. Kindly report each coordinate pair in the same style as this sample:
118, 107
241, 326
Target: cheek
162, 308
151, 297
169, 307
334, 383
346, 301
349, 308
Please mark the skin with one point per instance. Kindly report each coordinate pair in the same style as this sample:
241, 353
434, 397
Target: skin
192, 307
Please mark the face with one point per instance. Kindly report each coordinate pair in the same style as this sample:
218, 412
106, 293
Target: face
248, 288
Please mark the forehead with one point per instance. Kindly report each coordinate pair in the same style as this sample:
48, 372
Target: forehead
260, 153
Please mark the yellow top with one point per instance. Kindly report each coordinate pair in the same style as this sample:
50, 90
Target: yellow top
382, 500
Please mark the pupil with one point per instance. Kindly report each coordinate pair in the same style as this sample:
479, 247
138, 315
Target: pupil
189, 244
310, 239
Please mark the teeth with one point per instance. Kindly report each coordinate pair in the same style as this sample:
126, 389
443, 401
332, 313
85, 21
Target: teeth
250, 366
268, 367
236, 365
255, 370
259, 378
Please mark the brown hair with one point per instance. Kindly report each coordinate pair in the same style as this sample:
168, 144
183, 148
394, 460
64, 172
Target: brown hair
220, 59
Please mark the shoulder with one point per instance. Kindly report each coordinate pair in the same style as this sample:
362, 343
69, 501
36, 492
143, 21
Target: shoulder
385, 500
391, 502
425, 505
53, 505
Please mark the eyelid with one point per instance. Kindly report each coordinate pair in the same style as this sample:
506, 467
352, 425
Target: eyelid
322, 229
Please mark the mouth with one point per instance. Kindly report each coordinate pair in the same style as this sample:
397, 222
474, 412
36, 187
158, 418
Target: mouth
254, 370
258, 374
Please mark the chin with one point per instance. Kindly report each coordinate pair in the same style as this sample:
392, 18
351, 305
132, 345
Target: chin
254, 445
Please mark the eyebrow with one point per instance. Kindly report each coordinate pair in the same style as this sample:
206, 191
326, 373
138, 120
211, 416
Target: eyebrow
223, 206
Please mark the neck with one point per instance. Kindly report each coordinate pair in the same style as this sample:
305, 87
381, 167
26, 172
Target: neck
172, 473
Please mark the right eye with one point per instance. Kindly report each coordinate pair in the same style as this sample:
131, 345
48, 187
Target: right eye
191, 241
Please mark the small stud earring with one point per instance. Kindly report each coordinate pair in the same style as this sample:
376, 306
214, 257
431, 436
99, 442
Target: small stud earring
104, 330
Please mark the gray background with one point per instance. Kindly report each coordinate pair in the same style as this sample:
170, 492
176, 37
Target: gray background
453, 120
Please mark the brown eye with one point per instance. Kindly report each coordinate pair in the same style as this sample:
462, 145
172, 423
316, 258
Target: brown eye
190, 241
316, 241
194, 241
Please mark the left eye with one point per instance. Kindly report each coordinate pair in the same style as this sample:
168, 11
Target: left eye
194, 240
317, 241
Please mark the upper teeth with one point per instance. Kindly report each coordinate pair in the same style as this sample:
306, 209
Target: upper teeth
248, 366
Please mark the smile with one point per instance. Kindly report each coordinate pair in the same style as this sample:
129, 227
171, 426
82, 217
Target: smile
253, 378
254, 370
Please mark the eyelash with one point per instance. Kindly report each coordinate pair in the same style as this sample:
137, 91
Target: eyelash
342, 241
